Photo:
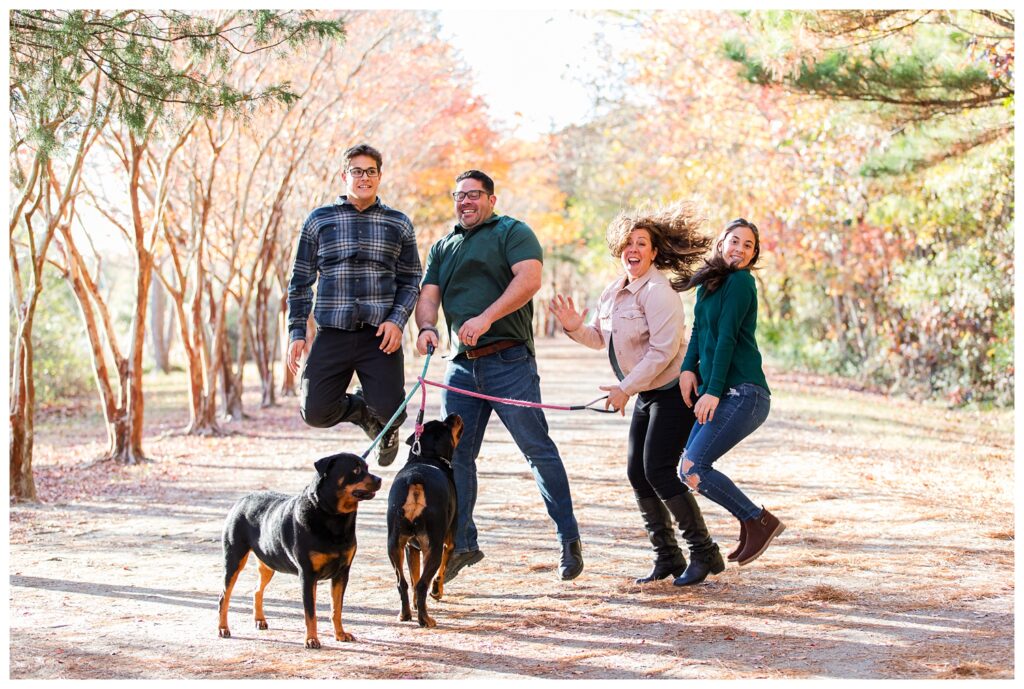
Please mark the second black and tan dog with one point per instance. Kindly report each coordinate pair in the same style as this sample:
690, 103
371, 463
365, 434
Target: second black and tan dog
421, 515
312, 534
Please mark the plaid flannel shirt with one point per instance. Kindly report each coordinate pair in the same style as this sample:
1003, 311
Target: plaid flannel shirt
366, 263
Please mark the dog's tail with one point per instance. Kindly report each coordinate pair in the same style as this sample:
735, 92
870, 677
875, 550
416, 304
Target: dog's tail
415, 502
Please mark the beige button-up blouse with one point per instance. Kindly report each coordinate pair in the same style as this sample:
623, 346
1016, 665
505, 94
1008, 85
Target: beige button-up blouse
645, 321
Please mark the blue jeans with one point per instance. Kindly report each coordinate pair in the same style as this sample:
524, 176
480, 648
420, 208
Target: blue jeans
511, 373
740, 411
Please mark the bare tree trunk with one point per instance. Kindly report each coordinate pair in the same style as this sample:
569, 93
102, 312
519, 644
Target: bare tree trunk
159, 332
232, 381
264, 345
130, 449
287, 377
23, 402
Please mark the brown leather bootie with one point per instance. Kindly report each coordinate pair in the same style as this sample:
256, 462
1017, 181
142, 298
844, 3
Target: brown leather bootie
761, 531
731, 557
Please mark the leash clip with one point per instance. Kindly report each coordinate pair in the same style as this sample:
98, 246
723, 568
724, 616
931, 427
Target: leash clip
416, 441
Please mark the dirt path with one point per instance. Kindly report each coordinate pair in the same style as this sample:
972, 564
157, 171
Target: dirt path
897, 561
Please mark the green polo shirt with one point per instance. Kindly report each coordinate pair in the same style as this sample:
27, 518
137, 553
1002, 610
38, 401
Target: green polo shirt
722, 344
474, 267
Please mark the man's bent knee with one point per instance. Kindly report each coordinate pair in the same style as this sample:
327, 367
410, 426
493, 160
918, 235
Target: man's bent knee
315, 418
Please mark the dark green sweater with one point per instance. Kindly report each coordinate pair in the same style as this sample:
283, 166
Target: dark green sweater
722, 342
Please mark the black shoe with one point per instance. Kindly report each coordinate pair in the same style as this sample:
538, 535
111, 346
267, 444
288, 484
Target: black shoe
571, 564
700, 567
360, 415
456, 561
387, 448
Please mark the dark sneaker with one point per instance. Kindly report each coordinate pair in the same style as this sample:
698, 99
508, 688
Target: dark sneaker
387, 448
361, 416
456, 561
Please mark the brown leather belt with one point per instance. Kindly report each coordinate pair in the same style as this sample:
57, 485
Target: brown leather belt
492, 348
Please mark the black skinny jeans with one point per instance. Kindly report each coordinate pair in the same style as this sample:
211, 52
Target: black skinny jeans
657, 435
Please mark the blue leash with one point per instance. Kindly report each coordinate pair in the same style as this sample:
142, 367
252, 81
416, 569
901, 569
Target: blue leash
403, 405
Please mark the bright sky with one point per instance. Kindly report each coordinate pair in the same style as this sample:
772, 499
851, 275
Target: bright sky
526, 64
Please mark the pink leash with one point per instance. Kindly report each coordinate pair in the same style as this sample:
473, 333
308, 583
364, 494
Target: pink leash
423, 383
516, 403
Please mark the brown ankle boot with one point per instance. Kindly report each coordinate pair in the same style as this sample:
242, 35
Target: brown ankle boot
731, 557
760, 533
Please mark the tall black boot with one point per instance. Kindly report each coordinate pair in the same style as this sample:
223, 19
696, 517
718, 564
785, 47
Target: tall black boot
705, 558
668, 558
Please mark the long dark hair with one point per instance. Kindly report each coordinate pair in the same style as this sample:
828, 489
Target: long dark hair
675, 233
715, 269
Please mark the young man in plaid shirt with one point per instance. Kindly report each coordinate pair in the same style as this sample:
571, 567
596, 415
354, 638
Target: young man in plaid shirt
362, 256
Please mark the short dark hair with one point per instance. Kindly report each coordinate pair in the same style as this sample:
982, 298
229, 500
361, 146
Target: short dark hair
364, 150
480, 177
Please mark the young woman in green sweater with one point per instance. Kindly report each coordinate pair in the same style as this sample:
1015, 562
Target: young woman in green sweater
732, 398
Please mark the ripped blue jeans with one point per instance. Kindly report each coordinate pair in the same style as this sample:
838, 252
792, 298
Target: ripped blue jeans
739, 413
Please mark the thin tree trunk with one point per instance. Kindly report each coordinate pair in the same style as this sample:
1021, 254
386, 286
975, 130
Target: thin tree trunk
23, 402
131, 450
159, 332
264, 341
287, 377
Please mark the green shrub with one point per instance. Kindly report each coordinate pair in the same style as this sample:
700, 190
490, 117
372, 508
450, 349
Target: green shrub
61, 360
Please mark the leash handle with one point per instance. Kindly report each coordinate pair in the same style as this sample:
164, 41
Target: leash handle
588, 407
423, 405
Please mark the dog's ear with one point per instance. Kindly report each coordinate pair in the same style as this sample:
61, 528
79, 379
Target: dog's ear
323, 465
455, 426
411, 439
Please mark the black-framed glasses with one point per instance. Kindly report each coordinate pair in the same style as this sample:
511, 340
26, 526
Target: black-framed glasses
473, 195
370, 172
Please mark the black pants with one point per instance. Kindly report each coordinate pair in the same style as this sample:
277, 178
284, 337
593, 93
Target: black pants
657, 435
334, 357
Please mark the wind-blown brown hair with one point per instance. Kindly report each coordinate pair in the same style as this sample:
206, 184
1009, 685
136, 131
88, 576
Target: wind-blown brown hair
715, 269
675, 233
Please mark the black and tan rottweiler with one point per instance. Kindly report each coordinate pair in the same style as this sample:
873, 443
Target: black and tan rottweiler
312, 534
421, 514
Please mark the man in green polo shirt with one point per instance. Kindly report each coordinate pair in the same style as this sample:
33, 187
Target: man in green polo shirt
484, 274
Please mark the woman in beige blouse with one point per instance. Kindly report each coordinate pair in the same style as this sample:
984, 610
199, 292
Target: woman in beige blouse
640, 320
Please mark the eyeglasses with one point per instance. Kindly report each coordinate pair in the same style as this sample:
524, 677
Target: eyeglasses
359, 172
471, 195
